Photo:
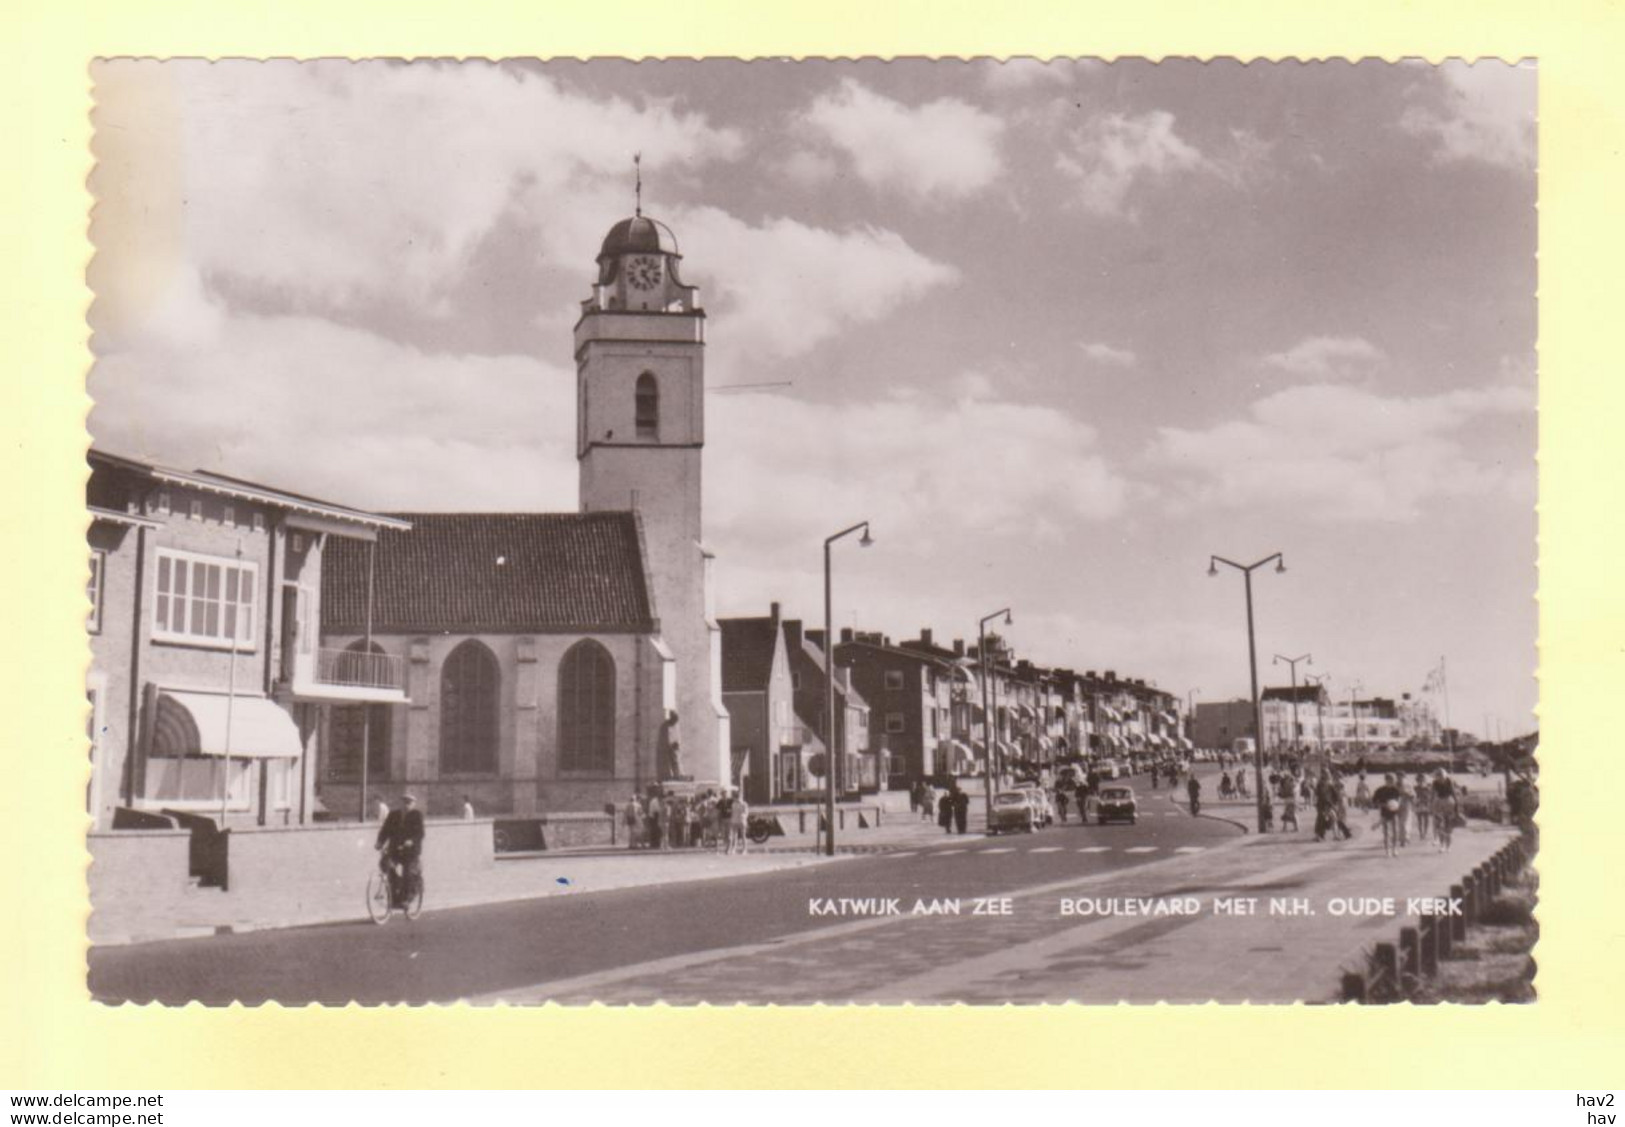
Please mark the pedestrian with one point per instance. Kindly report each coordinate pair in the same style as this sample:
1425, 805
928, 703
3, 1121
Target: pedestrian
655, 819
1289, 812
1241, 783
1423, 805
468, 809
1325, 804
724, 821
1060, 804
1340, 807
961, 810
1446, 810
696, 821
738, 820
1227, 789
1405, 807
632, 817
928, 802
1386, 799
380, 808
676, 821
1362, 795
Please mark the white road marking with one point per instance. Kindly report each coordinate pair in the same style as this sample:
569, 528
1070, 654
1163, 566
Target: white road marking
1170, 813
909, 854
1141, 849
947, 852
997, 849
1190, 849
1096, 849
1046, 849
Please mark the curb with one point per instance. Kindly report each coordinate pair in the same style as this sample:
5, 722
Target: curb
1242, 826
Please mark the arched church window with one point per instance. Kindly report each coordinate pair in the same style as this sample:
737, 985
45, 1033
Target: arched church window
470, 688
358, 726
587, 709
648, 408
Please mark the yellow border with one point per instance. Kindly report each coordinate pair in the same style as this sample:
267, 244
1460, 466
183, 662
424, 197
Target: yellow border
53, 1037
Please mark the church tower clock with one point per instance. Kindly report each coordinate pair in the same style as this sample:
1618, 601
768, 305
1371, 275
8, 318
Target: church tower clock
640, 433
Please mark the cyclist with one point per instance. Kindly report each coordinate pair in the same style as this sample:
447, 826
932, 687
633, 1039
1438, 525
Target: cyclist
1193, 788
400, 845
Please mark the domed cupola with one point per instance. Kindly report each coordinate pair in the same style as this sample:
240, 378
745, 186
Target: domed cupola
637, 270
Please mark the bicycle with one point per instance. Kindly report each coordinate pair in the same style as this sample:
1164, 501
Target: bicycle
384, 896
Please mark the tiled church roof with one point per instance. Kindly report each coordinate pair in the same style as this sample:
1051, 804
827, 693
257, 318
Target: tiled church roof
466, 573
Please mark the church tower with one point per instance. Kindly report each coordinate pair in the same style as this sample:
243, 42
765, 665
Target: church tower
640, 433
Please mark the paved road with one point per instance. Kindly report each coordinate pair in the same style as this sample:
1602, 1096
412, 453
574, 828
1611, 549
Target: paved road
467, 952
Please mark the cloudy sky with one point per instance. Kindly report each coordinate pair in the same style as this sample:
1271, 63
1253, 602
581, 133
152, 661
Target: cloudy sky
1059, 330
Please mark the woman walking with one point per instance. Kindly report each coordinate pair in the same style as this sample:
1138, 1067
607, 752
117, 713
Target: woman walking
1446, 809
1387, 801
1423, 806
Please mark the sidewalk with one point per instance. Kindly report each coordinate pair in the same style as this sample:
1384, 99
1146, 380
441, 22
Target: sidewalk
1126, 951
512, 877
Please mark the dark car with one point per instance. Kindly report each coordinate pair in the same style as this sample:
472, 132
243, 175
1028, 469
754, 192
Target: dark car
1116, 803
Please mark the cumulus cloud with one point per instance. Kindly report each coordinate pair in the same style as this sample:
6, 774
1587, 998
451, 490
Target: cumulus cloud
784, 286
1327, 358
783, 471
1108, 355
1339, 453
342, 181
1114, 155
304, 404
1486, 115
943, 150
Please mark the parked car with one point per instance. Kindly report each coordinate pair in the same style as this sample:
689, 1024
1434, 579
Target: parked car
1014, 810
1116, 803
1041, 804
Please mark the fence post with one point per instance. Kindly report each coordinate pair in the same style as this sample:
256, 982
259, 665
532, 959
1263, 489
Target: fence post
1442, 930
1386, 974
1458, 921
1469, 905
1429, 936
1410, 952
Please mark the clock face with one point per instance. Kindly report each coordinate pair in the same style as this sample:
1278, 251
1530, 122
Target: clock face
643, 272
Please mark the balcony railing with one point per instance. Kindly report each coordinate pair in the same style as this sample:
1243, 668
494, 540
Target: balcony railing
356, 670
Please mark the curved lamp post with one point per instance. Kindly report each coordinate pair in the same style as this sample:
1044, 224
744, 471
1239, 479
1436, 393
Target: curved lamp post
1293, 662
831, 745
1252, 663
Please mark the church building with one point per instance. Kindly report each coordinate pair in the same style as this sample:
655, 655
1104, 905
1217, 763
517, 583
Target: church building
555, 661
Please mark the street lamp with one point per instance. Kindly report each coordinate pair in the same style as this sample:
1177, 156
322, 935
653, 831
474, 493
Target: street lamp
1319, 680
1190, 714
987, 712
1355, 688
1293, 662
830, 742
1252, 664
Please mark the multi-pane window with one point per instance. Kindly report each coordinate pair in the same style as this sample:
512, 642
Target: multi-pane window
894, 678
204, 599
93, 591
587, 709
648, 406
470, 684
894, 722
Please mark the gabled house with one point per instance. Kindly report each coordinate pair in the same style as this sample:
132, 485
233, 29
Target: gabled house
758, 692
207, 680
862, 765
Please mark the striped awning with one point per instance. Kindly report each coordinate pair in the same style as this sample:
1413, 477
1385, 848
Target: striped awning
243, 727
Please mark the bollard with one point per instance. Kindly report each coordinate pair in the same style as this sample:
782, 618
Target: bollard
1458, 923
1442, 932
1429, 936
1410, 951
1353, 987
1385, 974
1469, 906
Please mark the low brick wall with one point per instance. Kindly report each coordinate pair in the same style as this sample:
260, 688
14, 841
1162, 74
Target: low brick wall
281, 860
137, 880
798, 821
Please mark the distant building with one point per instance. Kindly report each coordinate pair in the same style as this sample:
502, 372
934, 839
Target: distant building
758, 691
910, 702
865, 766
207, 681
1216, 725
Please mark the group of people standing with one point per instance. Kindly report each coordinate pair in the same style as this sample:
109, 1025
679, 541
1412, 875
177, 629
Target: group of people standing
1435, 804
950, 806
711, 820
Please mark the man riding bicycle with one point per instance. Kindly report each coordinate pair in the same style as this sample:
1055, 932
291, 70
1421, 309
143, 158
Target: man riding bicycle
400, 845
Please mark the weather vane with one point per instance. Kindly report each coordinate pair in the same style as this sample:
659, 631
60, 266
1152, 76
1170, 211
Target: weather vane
637, 173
